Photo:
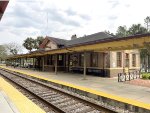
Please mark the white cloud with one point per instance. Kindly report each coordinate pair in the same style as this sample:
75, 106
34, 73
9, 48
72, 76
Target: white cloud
28, 18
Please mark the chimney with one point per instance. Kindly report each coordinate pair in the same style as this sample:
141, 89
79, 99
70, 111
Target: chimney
73, 37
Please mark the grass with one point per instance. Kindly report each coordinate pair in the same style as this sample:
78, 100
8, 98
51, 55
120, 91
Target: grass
146, 76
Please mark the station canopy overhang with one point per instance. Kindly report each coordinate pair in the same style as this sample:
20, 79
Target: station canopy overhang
3, 5
105, 45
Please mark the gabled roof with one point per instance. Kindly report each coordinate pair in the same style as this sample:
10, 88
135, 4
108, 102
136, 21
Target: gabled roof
89, 38
58, 41
78, 41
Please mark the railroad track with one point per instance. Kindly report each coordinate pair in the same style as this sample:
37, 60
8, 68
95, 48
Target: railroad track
51, 99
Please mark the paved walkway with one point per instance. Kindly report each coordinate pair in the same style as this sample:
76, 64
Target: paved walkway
140, 82
6, 106
107, 85
14, 97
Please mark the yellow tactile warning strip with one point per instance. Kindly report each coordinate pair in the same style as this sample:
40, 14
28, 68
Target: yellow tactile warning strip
114, 97
23, 104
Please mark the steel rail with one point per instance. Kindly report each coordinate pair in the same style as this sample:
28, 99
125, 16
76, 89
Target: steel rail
105, 110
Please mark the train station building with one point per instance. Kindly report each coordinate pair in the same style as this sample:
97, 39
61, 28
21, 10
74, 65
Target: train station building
95, 54
98, 54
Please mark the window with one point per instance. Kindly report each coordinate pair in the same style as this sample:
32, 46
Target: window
94, 59
60, 60
119, 59
60, 57
81, 59
127, 60
106, 60
134, 60
53, 59
49, 60
75, 59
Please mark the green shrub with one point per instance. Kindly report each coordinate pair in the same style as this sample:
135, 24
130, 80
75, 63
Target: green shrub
146, 75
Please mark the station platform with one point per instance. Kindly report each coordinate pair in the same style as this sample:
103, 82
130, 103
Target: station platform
12, 101
107, 87
6, 105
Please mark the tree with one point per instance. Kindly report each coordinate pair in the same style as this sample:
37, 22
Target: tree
147, 57
38, 41
29, 43
137, 29
147, 45
147, 22
3, 52
122, 31
144, 53
13, 48
108, 32
143, 56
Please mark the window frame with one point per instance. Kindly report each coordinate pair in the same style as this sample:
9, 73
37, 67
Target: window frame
127, 60
119, 59
94, 56
133, 60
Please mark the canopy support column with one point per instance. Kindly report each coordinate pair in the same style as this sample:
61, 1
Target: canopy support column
56, 64
23, 62
84, 72
67, 62
20, 62
123, 61
33, 63
43, 63
26, 62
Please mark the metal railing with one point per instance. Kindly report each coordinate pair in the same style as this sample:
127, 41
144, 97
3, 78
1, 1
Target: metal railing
122, 77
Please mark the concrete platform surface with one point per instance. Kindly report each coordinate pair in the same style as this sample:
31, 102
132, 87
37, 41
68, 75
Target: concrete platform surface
21, 102
107, 85
6, 105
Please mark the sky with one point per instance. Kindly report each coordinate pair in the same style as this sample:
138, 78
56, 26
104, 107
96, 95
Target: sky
64, 18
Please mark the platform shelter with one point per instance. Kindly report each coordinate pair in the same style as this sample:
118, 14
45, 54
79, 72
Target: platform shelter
98, 54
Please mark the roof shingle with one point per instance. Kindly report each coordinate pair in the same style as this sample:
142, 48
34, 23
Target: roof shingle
82, 40
89, 38
58, 40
